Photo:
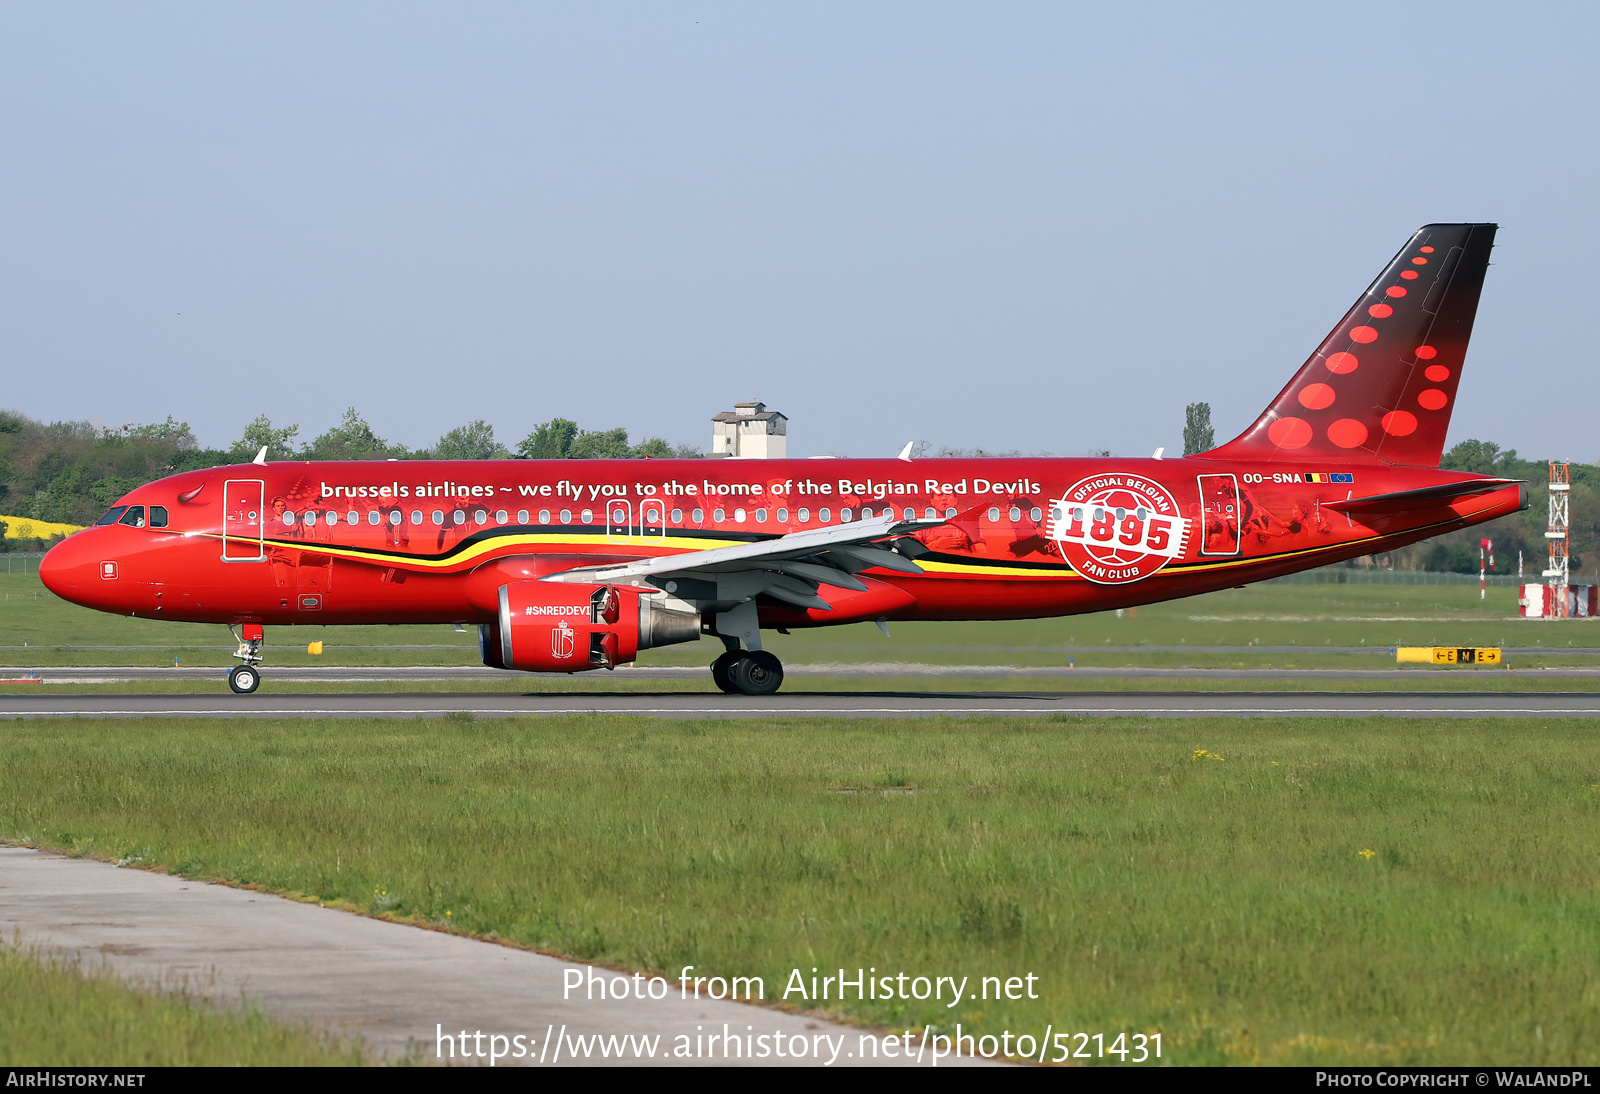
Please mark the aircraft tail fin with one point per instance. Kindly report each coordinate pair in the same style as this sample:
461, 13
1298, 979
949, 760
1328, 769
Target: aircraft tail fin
1382, 384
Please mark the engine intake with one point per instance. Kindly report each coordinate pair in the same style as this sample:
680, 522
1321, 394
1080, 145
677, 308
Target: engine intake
547, 626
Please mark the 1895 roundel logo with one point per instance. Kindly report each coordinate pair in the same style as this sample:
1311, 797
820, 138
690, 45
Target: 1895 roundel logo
1118, 528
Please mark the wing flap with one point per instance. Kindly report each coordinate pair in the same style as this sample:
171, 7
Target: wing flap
815, 546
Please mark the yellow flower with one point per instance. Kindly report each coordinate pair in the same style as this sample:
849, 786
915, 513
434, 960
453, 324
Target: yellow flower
1366, 854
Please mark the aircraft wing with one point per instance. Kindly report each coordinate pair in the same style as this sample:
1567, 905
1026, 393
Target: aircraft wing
788, 568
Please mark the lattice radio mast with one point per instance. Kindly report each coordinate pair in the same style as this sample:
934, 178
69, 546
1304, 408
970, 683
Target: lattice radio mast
1556, 576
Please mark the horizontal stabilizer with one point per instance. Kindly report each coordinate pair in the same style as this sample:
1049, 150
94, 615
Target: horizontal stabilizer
1429, 497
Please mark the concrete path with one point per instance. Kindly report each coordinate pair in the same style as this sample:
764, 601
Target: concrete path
400, 987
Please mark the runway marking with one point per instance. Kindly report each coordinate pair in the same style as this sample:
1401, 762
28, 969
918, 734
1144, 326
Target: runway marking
1129, 710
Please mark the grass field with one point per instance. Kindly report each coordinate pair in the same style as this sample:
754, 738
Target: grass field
58, 1014
1365, 891
1303, 616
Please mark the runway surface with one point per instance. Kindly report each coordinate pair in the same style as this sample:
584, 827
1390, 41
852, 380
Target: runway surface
801, 704
470, 648
13, 678
395, 985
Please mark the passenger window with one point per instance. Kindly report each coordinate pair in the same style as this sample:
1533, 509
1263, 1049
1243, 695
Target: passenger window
134, 517
158, 516
112, 515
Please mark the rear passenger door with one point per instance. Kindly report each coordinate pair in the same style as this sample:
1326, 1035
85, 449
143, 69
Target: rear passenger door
1219, 505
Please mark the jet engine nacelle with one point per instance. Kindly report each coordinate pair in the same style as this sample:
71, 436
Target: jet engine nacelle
550, 626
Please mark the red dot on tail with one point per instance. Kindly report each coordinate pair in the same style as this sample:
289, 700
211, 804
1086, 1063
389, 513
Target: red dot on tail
1426, 353
1395, 291
1397, 423
1437, 373
1364, 334
1316, 396
1427, 250
1432, 399
1342, 362
1380, 311
1409, 275
1289, 432
1347, 433
1419, 261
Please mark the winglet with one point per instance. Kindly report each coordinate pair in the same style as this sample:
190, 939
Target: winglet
905, 453
261, 457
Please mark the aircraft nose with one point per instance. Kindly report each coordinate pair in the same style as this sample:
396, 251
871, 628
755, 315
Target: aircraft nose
66, 568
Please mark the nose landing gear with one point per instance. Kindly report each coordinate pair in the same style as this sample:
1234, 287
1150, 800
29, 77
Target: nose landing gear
245, 678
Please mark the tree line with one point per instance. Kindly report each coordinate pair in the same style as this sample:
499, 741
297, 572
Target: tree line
71, 472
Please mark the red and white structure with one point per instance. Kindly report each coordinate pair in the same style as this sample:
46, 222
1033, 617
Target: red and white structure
1557, 598
1573, 602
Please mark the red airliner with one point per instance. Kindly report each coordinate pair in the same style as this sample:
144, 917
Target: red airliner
573, 565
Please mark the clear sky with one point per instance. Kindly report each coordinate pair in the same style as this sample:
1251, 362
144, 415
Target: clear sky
1033, 226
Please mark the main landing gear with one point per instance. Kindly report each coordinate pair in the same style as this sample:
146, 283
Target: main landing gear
747, 672
245, 678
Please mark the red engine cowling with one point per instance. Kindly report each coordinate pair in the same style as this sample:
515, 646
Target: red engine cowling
549, 626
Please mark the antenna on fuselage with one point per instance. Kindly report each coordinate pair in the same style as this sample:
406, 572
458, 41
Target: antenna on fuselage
905, 453
261, 457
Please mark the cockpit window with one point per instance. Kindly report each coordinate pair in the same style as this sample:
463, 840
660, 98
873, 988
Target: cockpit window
112, 515
134, 517
158, 516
